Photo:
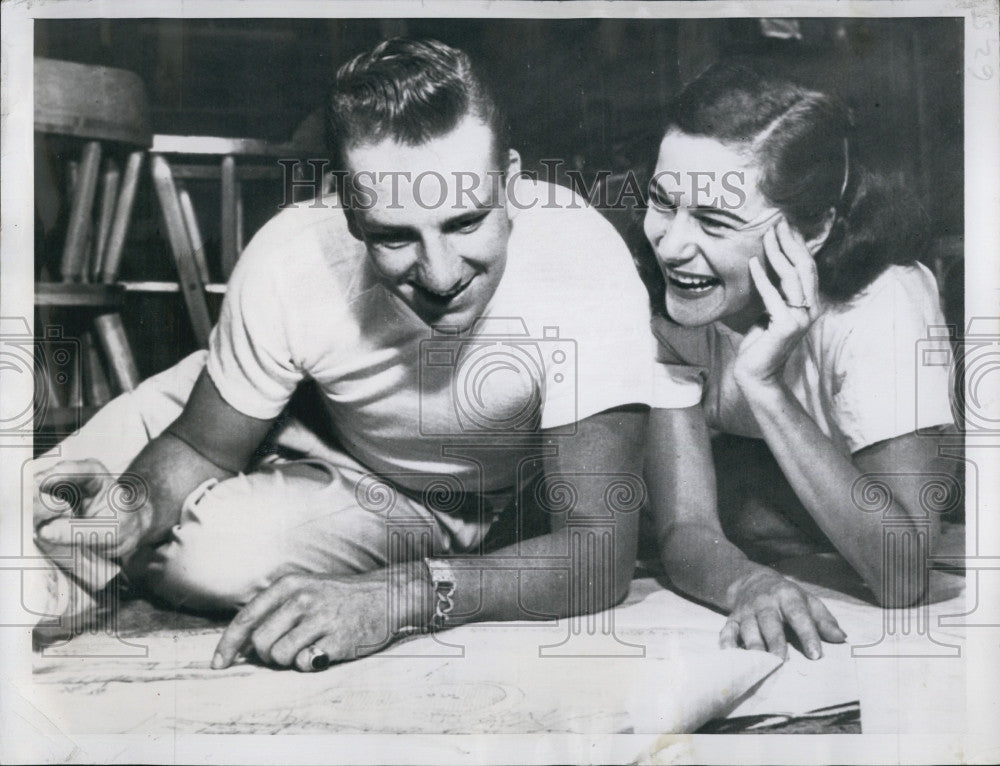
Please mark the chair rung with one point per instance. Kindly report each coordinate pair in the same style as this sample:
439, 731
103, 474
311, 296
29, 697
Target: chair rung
78, 294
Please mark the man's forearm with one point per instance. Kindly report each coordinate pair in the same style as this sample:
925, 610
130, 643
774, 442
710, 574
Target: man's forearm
572, 570
171, 470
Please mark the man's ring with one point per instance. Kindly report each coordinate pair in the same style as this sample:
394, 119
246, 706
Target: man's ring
318, 659
802, 305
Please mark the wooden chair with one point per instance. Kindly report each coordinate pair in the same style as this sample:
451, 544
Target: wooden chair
177, 160
103, 113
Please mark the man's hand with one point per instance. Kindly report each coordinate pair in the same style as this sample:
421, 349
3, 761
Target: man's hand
765, 603
75, 489
343, 617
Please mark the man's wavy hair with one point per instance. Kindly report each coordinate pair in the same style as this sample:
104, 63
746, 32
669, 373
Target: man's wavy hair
410, 91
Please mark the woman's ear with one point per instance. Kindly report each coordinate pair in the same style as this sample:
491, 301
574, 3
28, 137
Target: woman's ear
815, 242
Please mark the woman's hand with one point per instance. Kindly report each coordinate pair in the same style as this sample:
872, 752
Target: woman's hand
342, 618
765, 603
791, 310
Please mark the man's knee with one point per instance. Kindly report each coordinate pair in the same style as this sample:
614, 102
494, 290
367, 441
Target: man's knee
237, 536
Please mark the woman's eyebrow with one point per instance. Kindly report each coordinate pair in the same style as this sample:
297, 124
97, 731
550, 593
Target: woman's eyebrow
719, 211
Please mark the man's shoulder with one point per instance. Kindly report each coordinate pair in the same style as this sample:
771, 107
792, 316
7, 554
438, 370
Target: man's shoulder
304, 243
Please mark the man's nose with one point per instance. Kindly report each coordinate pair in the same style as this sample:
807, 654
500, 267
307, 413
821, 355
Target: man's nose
439, 267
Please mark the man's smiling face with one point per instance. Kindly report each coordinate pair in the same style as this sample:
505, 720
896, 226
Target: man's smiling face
439, 249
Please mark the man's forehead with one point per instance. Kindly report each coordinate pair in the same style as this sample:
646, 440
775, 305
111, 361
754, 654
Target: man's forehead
467, 148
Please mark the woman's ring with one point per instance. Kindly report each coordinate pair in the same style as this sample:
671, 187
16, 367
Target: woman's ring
318, 659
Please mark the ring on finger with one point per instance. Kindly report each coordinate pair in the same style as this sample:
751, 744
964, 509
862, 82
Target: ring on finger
318, 659
804, 305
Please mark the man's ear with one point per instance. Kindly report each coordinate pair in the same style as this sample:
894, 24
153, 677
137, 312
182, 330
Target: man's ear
513, 163
815, 242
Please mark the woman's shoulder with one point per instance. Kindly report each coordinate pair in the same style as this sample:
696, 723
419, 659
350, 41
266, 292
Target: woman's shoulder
897, 308
900, 290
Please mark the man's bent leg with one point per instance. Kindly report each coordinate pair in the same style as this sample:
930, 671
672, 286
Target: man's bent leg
238, 536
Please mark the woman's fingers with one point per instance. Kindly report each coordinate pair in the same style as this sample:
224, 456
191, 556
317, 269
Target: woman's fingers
794, 248
774, 250
801, 621
750, 633
730, 634
772, 628
774, 304
829, 628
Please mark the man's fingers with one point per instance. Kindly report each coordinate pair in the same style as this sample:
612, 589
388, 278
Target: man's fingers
802, 623
59, 531
308, 649
243, 624
750, 634
772, 627
729, 635
89, 476
272, 628
829, 628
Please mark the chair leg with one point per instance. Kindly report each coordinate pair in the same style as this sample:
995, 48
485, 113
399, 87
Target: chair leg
109, 195
180, 245
74, 258
98, 390
228, 220
194, 232
111, 334
123, 213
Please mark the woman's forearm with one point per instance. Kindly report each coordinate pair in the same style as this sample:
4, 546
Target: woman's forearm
702, 563
822, 478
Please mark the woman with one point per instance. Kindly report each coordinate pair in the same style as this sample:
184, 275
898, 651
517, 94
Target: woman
787, 281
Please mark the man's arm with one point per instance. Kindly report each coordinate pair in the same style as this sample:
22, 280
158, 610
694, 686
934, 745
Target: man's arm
210, 439
584, 564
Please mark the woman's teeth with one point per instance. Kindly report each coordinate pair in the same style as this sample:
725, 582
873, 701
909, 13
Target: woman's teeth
693, 284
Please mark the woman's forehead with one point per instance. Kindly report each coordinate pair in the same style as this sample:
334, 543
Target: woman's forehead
686, 164
682, 150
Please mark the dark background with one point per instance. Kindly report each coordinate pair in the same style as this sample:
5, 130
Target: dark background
590, 92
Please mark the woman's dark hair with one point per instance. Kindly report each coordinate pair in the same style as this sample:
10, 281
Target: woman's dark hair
802, 141
410, 91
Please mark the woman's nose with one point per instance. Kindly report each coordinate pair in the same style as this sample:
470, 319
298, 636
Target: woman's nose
674, 241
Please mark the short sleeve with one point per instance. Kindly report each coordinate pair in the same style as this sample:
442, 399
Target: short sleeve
892, 370
583, 283
249, 359
682, 357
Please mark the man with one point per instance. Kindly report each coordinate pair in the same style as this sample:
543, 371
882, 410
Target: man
483, 360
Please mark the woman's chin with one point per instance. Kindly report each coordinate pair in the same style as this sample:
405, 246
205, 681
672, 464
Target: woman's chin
688, 313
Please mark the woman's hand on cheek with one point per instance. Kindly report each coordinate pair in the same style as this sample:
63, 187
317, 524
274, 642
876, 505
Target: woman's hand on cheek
765, 603
791, 307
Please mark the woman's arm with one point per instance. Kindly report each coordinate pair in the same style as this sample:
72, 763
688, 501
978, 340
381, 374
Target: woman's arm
700, 560
828, 484
826, 480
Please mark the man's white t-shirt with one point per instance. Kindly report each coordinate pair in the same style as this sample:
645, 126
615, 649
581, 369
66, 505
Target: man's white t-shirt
869, 369
565, 336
